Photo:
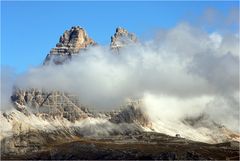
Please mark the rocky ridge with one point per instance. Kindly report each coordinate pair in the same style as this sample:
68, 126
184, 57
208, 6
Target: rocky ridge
56, 104
49, 104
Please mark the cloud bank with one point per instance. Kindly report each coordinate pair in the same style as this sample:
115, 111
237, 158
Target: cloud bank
181, 72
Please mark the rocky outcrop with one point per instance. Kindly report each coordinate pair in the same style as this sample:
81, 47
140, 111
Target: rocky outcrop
122, 38
51, 104
132, 113
71, 42
55, 104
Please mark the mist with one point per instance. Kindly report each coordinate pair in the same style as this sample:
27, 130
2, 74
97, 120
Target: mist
180, 72
8, 77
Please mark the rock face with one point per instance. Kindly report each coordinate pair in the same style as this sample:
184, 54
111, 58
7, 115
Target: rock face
133, 113
71, 42
76, 39
55, 104
121, 38
49, 104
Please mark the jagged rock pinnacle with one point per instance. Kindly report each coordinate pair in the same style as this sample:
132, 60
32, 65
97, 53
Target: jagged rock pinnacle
71, 42
121, 38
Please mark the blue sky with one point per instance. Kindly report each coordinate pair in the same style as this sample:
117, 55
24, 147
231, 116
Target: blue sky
30, 29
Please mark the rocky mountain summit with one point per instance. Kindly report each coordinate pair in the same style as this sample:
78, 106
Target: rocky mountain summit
121, 38
76, 39
71, 42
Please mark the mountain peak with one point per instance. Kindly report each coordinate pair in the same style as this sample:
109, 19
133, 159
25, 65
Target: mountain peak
71, 42
121, 38
76, 38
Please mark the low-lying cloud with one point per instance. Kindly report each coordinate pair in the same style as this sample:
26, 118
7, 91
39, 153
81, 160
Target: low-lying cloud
8, 77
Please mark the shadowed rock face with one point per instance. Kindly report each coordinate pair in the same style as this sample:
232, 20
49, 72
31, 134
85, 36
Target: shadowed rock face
132, 114
71, 42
